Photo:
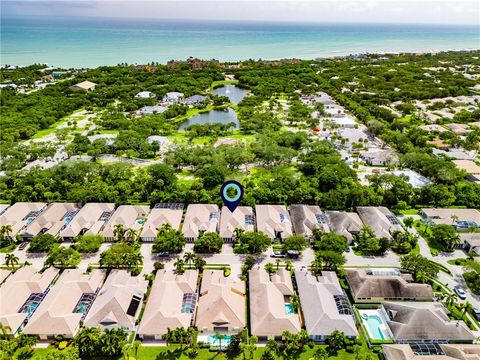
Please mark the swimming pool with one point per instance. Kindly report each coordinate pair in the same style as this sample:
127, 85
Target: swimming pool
212, 339
375, 325
289, 309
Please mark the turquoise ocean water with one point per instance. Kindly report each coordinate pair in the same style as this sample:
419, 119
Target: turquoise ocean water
89, 42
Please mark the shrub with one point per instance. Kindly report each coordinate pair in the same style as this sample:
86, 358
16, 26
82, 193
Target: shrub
158, 265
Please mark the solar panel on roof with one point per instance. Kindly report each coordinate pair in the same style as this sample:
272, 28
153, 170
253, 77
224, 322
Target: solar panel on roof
134, 303
172, 206
342, 305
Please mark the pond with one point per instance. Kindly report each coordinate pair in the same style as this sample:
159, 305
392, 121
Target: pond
235, 94
212, 117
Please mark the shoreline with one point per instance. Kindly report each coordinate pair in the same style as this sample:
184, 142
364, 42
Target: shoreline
360, 55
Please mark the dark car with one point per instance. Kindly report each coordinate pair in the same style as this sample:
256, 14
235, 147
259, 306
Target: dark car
163, 254
476, 313
23, 245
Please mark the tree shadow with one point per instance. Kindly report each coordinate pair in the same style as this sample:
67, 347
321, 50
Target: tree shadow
169, 354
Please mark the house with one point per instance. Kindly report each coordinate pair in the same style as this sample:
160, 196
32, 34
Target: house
222, 304
424, 321
129, 216
193, 100
382, 221
344, 223
4, 275
334, 110
3, 208
376, 285
344, 122
325, 306
459, 129
242, 218
172, 97
273, 221
433, 128
84, 85
454, 153
305, 218
431, 351
118, 302
51, 221
439, 144
25, 289
89, 220
379, 157
161, 214
200, 218
145, 95
413, 178
470, 167
462, 219
470, 242
162, 141
66, 304
171, 304
109, 138
21, 215
149, 110
271, 312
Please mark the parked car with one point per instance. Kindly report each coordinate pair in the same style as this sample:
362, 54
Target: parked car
293, 254
277, 254
460, 292
23, 245
476, 313
348, 249
163, 254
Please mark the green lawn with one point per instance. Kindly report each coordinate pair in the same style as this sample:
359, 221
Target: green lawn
8, 248
220, 83
425, 232
50, 130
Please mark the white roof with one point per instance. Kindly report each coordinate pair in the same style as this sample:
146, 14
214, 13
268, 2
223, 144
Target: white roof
321, 313
21, 214
52, 220
55, 315
110, 307
130, 216
230, 221
17, 289
415, 179
144, 94
200, 217
165, 308
268, 315
91, 218
272, 219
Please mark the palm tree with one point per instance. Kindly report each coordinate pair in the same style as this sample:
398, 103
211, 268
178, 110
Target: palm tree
288, 265
270, 268
119, 232
12, 260
189, 257
131, 234
220, 337
5, 230
192, 336
179, 263
277, 261
466, 307
454, 218
136, 345
4, 331
450, 299
164, 229
421, 277
199, 262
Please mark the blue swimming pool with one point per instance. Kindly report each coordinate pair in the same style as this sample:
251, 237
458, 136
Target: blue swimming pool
375, 324
289, 308
212, 339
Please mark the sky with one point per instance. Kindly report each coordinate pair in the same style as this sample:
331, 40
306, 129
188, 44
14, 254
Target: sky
466, 12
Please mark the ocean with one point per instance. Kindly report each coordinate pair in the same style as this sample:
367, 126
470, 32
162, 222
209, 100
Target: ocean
90, 42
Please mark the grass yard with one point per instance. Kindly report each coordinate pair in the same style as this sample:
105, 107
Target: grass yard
50, 130
425, 232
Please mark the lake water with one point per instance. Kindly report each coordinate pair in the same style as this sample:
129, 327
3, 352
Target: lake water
89, 42
234, 93
212, 117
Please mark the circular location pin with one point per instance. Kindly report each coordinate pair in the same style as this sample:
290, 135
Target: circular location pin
231, 202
